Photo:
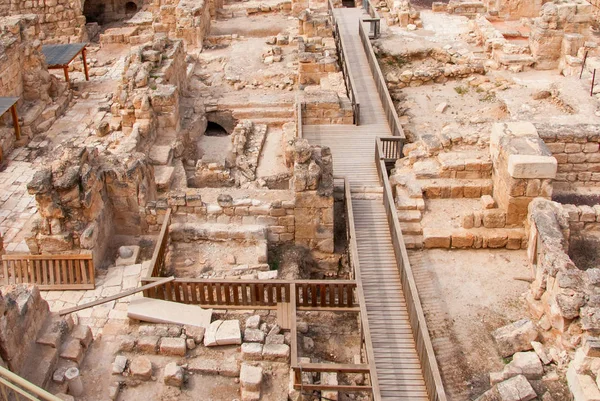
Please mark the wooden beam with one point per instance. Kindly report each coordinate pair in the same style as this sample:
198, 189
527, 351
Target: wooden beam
15, 118
334, 367
323, 387
117, 296
85, 67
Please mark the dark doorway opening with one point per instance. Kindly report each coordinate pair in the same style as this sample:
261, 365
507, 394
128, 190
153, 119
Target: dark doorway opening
214, 129
94, 12
130, 8
348, 3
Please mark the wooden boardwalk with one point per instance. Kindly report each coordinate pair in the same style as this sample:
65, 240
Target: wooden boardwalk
353, 148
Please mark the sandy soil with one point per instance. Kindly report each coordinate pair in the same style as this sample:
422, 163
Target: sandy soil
271, 160
466, 295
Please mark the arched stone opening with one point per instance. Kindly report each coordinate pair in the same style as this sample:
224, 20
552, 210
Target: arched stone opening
130, 8
215, 129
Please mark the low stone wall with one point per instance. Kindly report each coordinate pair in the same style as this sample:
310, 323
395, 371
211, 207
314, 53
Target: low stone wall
326, 107
513, 9
466, 8
577, 152
250, 208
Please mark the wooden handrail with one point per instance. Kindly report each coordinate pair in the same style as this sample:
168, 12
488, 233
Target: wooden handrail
299, 129
50, 272
115, 297
18, 385
365, 329
375, 20
345, 65
431, 373
382, 90
157, 262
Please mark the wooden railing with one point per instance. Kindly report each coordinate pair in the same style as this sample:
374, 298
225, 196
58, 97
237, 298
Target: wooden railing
14, 387
382, 90
374, 21
365, 331
257, 294
431, 373
50, 272
345, 65
157, 263
390, 148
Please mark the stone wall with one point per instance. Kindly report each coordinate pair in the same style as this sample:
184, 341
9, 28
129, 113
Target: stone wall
62, 21
467, 8
188, 20
24, 74
514, 9
22, 314
326, 107
577, 152
83, 198
523, 169
548, 31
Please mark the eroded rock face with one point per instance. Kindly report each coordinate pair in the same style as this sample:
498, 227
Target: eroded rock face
83, 197
22, 314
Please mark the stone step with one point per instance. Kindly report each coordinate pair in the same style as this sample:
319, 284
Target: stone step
55, 330
405, 202
413, 241
270, 112
456, 188
272, 121
245, 103
410, 228
409, 216
476, 238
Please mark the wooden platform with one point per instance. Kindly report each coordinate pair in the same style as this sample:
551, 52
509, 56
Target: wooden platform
397, 364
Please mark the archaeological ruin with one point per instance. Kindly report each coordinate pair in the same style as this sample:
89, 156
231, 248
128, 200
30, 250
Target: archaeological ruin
300, 200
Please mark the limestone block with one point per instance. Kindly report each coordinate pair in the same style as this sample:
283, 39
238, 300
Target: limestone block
141, 368
251, 377
173, 346
223, 333
515, 337
252, 351
173, 375
254, 336
434, 238
528, 364
276, 352
119, 365
516, 389
148, 344
253, 322
83, 334
532, 166
195, 332
582, 386
73, 351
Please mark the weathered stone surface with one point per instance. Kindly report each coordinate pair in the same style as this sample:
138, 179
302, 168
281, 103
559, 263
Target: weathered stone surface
251, 377
515, 337
541, 352
119, 365
276, 352
173, 346
528, 364
252, 351
173, 375
516, 389
83, 334
148, 344
582, 386
254, 336
223, 332
253, 322
195, 332
73, 351
141, 368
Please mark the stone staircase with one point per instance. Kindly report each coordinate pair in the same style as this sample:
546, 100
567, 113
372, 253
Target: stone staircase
60, 344
161, 155
457, 174
273, 112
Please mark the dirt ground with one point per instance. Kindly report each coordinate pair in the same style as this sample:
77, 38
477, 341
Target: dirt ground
466, 295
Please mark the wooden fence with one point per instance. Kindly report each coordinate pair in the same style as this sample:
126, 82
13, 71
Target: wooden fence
299, 129
382, 90
50, 272
345, 65
431, 373
323, 295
